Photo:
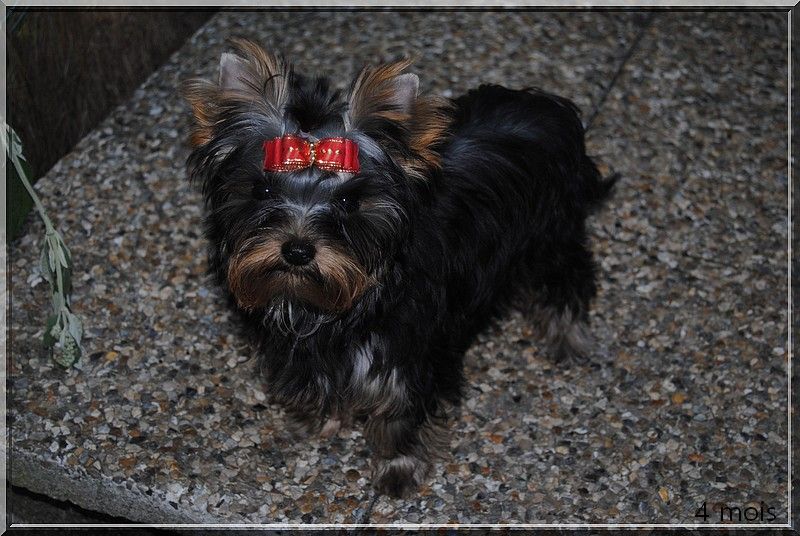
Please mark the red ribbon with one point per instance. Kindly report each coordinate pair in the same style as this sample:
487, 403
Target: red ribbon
288, 153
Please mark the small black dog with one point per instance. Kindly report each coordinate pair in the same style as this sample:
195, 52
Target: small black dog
368, 237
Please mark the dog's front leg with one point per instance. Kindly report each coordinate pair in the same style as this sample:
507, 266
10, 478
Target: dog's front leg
406, 444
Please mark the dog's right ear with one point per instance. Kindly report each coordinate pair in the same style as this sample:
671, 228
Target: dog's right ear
232, 72
254, 71
251, 80
202, 96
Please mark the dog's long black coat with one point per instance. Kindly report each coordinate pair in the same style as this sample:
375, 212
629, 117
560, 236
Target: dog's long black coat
502, 220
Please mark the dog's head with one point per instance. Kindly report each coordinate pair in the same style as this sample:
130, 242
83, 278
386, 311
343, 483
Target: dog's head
299, 231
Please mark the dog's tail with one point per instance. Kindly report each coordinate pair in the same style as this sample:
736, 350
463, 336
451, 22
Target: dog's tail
599, 189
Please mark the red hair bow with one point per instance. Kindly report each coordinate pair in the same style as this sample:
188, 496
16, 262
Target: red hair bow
288, 153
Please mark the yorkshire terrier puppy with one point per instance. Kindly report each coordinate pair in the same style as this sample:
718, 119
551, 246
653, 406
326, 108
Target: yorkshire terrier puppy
367, 237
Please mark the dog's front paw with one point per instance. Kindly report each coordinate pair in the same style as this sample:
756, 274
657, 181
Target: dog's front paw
400, 477
330, 428
303, 426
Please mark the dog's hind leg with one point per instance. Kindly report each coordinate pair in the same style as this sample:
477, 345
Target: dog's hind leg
563, 285
566, 334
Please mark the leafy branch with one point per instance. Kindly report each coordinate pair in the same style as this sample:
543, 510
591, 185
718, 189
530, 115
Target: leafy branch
63, 330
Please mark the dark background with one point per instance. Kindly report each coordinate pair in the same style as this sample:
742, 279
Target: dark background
68, 69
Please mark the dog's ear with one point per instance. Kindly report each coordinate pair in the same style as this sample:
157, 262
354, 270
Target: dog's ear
202, 96
406, 89
383, 92
251, 80
387, 94
232, 72
254, 71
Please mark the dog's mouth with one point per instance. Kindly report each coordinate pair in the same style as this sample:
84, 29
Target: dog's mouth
258, 277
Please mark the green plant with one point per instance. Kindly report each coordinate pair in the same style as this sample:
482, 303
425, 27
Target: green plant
18, 202
63, 329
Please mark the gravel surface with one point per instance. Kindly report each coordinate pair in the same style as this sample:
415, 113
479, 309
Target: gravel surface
685, 400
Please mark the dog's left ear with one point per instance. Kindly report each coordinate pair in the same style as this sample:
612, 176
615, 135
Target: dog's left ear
384, 92
406, 89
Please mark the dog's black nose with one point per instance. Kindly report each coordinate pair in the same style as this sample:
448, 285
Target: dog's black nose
298, 252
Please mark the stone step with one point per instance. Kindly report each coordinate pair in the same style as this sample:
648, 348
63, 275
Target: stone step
165, 419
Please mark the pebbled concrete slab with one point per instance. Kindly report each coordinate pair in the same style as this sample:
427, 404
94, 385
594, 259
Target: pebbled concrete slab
697, 252
166, 417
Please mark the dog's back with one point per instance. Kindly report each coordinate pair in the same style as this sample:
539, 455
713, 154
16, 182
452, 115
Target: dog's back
529, 132
509, 210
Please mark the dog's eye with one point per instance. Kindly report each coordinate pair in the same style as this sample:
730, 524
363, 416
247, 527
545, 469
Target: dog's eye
347, 203
262, 191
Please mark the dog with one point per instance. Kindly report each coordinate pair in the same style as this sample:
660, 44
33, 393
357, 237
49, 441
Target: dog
367, 236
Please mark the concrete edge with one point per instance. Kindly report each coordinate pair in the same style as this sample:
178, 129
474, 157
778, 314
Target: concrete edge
97, 494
